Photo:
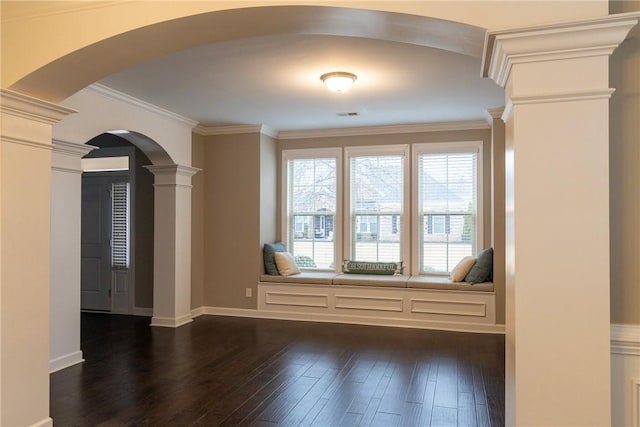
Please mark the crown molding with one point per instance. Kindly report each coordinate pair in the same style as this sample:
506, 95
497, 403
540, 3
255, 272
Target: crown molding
235, 129
577, 39
128, 99
384, 130
28, 107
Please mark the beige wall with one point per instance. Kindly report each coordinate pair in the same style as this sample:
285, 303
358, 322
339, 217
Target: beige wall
624, 140
232, 210
268, 191
197, 222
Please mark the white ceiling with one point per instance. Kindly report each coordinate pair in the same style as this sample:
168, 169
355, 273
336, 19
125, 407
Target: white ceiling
275, 81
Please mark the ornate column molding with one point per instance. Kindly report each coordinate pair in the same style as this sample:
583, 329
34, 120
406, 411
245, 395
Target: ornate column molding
591, 37
556, 81
172, 245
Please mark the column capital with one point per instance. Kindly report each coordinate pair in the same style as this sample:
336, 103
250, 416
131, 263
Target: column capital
173, 170
172, 175
66, 156
578, 39
494, 114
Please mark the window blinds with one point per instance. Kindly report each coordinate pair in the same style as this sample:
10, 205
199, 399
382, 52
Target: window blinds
376, 207
447, 209
312, 201
120, 225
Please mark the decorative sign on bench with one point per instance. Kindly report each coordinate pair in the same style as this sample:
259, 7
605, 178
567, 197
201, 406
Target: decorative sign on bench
366, 267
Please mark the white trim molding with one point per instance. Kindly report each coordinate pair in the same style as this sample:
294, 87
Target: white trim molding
235, 129
590, 37
384, 130
128, 99
65, 361
47, 422
635, 383
197, 312
171, 322
349, 319
625, 339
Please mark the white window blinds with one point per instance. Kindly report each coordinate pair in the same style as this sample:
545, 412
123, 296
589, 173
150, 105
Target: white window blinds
120, 225
377, 188
448, 207
311, 206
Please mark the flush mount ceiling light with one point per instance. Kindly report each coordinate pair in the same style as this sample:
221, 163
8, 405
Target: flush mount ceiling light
338, 81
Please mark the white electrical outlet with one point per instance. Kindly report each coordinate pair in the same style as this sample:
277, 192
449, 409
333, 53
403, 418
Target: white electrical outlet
248, 292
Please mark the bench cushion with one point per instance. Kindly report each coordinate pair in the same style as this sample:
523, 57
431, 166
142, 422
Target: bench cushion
305, 277
371, 280
436, 282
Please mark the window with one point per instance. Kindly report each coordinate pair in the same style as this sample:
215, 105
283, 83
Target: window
377, 186
120, 225
449, 200
311, 202
444, 197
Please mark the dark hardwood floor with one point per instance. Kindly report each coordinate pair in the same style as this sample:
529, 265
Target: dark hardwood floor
224, 371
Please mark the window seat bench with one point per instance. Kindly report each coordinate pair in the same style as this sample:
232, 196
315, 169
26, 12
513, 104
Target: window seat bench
407, 301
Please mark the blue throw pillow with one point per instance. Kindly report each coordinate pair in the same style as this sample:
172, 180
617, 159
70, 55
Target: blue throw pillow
483, 268
268, 255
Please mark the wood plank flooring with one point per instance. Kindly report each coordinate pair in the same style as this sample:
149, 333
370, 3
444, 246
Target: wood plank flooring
224, 371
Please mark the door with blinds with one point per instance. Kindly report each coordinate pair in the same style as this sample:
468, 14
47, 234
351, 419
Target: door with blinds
105, 244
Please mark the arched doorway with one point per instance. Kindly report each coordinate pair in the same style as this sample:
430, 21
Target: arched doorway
101, 114
119, 173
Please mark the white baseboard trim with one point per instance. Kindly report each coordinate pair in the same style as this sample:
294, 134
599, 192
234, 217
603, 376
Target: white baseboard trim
143, 311
357, 320
196, 312
65, 361
171, 322
625, 339
47, 422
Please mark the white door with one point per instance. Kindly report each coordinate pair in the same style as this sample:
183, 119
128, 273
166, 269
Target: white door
105, 241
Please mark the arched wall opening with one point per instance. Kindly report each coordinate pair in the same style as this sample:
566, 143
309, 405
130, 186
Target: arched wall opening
161, 137
131, 218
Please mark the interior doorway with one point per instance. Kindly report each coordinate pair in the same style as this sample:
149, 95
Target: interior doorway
117, 229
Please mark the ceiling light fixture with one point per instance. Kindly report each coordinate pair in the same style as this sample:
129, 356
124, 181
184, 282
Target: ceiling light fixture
338, 81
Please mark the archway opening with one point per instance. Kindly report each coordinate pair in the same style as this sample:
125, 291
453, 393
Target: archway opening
117, 202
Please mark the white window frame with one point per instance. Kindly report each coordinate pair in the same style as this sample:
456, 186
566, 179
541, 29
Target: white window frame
441, 148
313, 153
380, 150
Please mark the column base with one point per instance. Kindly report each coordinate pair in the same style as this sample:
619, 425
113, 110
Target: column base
171, 322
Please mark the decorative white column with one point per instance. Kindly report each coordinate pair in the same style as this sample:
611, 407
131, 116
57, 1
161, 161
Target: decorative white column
66, 195
25, 194
172, 245
557, 219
